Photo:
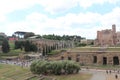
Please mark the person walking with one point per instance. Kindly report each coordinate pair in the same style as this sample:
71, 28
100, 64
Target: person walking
116, 76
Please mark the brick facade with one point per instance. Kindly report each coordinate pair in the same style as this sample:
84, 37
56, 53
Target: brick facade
108, 37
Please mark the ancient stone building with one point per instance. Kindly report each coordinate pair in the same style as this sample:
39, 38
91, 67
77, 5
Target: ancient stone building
108, 37
56, 44
90, 57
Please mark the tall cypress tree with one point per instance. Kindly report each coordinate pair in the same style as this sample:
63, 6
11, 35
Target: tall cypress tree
5, 46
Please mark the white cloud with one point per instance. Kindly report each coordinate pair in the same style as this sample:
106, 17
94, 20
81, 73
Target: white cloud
2, 18
89, 3
7, 6
111, 18
88, 23
42, 24
56, 6
52, 6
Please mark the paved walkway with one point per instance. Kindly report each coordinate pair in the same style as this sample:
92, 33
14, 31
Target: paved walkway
101, 74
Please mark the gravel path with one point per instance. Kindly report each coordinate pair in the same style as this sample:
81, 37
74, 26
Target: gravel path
97, 74
101, 74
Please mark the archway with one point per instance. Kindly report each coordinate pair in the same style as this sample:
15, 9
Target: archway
104, 60
77, 59
115, 60
94, 59
69, 58
62, 58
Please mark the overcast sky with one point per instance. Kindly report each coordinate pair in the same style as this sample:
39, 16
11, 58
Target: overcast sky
69, 17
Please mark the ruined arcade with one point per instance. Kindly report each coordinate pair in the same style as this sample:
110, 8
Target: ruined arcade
103, 54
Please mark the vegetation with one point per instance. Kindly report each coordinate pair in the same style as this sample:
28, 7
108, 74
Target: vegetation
5, 46
29, 34
78, 44
19, 44
64, 37
1, 39
55, 67
54, 52
80, 76
10, 72
25, 45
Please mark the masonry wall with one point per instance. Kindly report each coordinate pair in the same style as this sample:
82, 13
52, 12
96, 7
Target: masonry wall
108, 37
87, 58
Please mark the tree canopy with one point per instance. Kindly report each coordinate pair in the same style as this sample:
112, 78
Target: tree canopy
5, 46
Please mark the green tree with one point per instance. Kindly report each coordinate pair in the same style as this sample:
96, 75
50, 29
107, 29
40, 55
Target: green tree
54, 67
33, 47
27, 46
29, 34
19, 45
5, 46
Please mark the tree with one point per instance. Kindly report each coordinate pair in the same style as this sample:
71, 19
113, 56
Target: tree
54, 67
19, 45
33, 47
5, 46
29, 34
27, 46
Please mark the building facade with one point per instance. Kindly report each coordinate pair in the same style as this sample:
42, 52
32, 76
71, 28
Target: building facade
90, 58
108, 37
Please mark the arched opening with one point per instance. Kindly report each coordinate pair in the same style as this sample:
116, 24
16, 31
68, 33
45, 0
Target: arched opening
62, 58
104, 60
115, 60
77, 59
94, 59
69, 58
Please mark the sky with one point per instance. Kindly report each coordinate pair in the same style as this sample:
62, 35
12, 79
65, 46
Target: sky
61, 17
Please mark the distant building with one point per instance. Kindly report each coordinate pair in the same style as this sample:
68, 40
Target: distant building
108, 37
87, 41
12, 38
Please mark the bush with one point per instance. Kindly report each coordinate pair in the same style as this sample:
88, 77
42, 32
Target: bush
55, 67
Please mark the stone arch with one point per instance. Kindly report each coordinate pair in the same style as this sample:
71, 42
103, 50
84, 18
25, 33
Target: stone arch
115, 60
77, 57
94, 59
69, 58
104, 60
62, 57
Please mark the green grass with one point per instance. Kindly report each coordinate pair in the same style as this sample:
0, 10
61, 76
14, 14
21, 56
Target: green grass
80, 76
13, 52
54, 52
10, 72
12, 45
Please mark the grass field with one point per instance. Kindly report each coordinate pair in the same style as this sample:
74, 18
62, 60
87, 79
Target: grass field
10, 72
79, 76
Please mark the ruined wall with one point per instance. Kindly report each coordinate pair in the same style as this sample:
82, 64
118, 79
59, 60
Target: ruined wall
107, 37
101, 58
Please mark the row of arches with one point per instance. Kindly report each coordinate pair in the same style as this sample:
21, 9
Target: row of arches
115, 60
105, 60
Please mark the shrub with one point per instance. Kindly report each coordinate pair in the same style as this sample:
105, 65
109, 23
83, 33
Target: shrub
54, 67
